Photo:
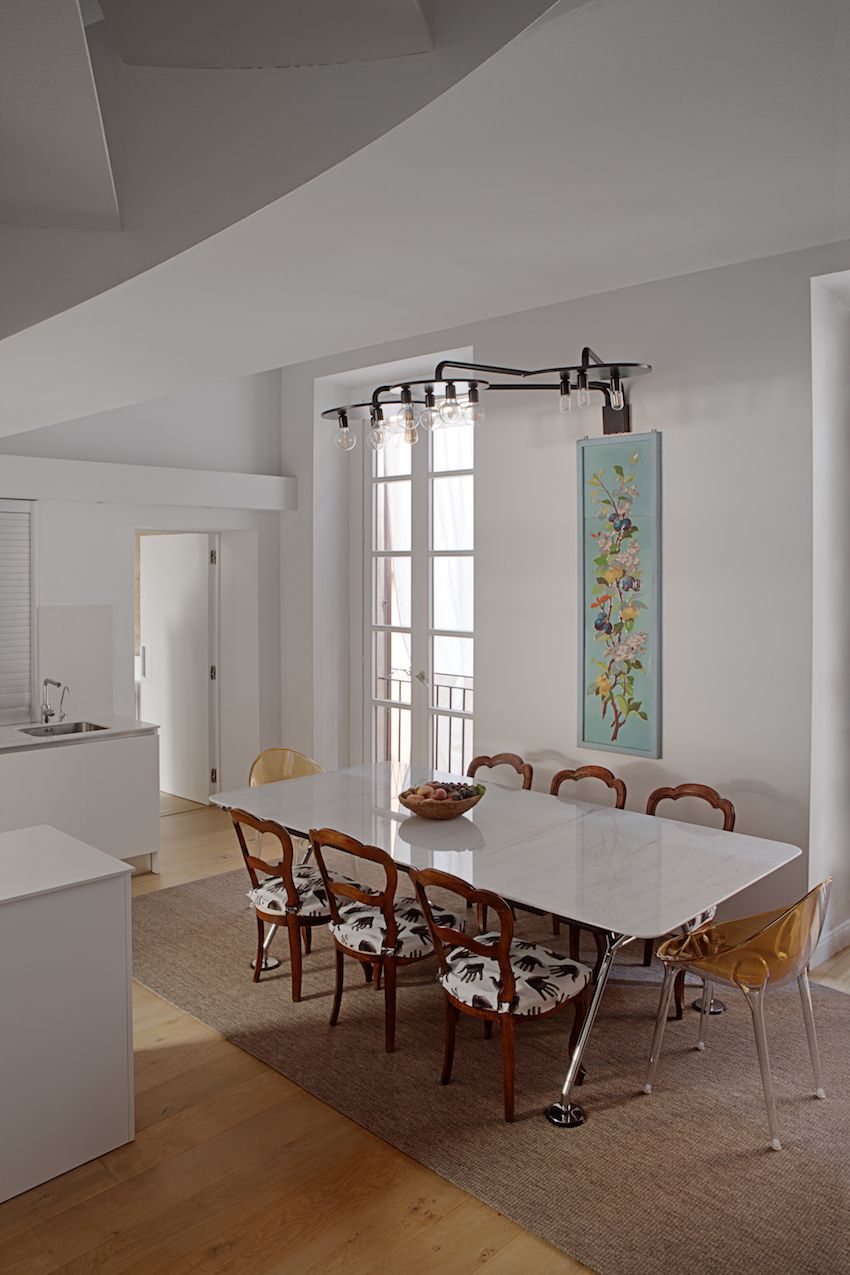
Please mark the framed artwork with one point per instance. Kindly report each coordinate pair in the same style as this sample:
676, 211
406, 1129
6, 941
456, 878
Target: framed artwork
619, 504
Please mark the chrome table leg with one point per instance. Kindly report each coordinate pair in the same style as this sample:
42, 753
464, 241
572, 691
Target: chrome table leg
566, 1114
269, 962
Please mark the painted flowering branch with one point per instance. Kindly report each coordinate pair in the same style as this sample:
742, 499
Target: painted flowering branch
618, 564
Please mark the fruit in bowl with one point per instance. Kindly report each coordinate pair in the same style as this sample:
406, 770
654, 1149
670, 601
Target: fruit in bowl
441, 800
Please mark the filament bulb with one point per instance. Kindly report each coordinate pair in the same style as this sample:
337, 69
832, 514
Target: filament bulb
345, 440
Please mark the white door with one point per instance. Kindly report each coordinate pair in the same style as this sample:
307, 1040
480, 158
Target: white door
177, 658
419, 630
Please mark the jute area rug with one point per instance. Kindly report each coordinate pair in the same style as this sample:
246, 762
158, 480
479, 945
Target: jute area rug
650, 1185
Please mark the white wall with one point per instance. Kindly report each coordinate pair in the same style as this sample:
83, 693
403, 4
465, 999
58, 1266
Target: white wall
730, 392
85, 557
830, 817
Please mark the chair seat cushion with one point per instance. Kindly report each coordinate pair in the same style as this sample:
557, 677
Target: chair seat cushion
270, 895
544, 978
362, 928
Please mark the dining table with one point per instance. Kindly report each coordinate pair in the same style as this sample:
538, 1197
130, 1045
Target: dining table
623, 874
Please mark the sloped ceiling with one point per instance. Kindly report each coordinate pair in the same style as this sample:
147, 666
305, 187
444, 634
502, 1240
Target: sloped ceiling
625, 141
54, 162
253, 33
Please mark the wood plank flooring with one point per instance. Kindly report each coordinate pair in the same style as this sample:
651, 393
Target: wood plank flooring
235, 1168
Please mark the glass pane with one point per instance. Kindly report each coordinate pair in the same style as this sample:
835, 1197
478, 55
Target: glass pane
391, 503
392, 591
452, 513
451, 741
392, 666
452, 593
452, 447
392, 734
394, 457
451, 679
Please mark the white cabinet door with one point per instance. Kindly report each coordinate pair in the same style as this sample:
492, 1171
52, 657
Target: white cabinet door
45, 785
122, 795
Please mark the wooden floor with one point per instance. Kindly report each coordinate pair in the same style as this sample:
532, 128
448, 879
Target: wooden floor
234, 1168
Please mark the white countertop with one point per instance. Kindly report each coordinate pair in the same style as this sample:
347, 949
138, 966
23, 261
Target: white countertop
616, 869
13, 739
42, 859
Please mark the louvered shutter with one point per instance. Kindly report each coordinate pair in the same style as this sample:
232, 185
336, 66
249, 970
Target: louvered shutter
15, 612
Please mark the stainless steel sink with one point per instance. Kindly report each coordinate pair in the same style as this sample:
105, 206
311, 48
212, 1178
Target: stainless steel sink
64, 728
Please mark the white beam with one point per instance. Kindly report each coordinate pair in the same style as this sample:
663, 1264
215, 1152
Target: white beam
41, 478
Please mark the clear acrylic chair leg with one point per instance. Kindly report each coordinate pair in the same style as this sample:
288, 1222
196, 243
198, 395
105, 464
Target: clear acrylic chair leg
809, 1019
705, 1012
755, 1000
660, 1023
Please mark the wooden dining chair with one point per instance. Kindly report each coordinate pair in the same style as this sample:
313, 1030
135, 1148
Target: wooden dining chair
496, 977
523, 768
610, 780
371, 925
283, 893
703, 793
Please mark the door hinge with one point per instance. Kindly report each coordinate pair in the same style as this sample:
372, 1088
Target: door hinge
213, 672
213, 557
213, 776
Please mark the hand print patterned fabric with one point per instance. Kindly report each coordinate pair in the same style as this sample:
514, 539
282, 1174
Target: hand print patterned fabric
362, 928
270, 895
544, 978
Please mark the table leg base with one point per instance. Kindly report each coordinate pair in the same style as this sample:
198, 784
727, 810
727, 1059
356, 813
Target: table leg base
269, 963
565, 1115
716, 1006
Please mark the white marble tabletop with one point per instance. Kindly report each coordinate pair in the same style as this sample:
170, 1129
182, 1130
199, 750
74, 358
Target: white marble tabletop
615, 869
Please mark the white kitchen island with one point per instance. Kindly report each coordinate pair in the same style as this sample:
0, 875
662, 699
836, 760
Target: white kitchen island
101, 786
66, 1061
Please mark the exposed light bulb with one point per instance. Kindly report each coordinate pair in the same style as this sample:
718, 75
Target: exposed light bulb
474, 413
430, 418
411, 434
345, 440
565, 403
451, 412
584, 399
377, 437
617, 400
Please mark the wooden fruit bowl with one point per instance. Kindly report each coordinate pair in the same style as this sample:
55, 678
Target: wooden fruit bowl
448, 809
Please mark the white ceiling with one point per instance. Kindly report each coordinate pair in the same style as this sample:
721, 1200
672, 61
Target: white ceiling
54, 163
252, 33
628, 140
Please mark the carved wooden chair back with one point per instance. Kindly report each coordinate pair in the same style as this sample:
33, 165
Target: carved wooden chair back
340, 888
522, 768
445, 939
701, 791
601, 773
255, 865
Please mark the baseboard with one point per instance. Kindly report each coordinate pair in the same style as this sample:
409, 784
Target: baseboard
831, 942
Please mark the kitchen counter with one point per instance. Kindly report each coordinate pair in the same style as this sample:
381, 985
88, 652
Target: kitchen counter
101, 786
13, 739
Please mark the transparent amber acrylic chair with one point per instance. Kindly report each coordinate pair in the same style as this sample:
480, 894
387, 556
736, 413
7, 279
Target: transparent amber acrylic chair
276, 764
753, 954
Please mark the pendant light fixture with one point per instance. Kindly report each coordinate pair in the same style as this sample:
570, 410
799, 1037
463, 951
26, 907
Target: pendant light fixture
446, 399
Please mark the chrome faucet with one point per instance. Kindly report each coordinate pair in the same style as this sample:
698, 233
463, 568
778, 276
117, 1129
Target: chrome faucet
47, 711
65, 691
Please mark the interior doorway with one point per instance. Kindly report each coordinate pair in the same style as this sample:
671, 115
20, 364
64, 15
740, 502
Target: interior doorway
177, 642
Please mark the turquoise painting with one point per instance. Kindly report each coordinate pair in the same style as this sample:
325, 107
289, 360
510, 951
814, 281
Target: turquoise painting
619, 479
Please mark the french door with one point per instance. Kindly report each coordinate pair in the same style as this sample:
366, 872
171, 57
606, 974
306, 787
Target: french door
419, 692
